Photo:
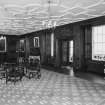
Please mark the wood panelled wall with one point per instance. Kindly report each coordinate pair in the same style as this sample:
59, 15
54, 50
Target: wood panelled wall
78, 47
80, 32
10, 54
45, 47
11, 48
88, 42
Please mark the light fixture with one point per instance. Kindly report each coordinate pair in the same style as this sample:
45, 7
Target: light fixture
2, 37
50, 23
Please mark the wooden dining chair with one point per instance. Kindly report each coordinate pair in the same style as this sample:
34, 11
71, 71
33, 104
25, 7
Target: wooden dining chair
34, 69
13, 74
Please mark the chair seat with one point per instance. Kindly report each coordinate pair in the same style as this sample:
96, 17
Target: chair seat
14, 74
2, 71
33, 71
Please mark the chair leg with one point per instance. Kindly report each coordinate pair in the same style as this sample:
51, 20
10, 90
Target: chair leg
39, 74
20, 78
15, 80
6, 79
29, 75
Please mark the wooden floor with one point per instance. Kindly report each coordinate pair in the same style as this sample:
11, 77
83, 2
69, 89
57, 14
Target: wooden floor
55, 89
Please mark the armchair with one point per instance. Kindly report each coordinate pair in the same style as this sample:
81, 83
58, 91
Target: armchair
12, 73
33, 69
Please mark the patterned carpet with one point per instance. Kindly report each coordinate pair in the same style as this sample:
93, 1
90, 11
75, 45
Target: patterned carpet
52, 89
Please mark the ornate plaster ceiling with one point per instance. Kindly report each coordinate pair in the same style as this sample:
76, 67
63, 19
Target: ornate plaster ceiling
19, 17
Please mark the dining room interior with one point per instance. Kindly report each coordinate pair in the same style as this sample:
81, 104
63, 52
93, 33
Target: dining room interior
52, 52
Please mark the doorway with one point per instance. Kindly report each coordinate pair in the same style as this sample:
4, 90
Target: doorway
67, 55
67, 52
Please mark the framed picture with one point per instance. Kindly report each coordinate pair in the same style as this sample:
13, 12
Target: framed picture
2, 44
36, 42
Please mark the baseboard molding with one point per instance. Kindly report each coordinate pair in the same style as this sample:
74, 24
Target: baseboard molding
56, 69
97, 73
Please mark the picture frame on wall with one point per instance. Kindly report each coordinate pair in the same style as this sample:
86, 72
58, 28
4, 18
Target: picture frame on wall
36, 42
2, 44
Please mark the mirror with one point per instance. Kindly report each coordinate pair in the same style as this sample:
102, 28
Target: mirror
2, 44
20, 45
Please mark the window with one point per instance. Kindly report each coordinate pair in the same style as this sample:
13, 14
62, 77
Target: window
52, 44
36, 42
98, 43
70, 51
2, 44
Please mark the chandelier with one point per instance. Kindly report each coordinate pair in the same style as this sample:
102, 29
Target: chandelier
49, 23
